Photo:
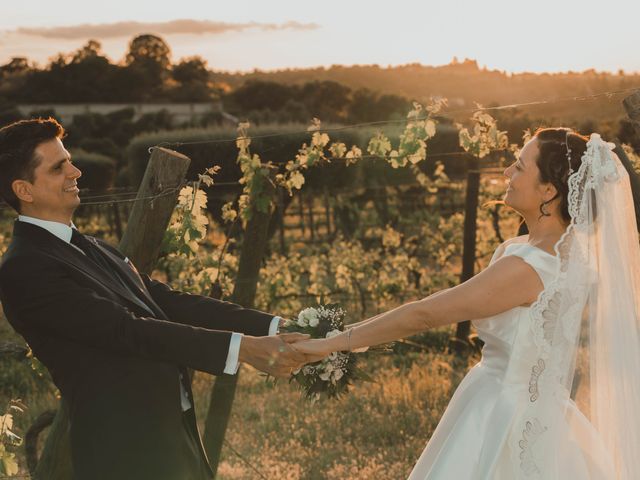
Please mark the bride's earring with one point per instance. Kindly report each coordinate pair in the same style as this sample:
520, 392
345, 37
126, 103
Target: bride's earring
543, 205
543, 211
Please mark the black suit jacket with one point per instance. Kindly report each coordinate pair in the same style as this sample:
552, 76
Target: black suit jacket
117, 365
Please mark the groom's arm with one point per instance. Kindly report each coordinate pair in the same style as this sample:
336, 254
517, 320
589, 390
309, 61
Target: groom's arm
201, 311
210, 313
41, 300
206, 312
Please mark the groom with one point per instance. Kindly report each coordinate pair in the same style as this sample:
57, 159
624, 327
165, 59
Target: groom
116, 342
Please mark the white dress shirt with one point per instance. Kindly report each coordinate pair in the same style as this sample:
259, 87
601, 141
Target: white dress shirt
63, 232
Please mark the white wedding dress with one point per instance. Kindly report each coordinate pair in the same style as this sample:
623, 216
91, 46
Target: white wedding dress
476, 437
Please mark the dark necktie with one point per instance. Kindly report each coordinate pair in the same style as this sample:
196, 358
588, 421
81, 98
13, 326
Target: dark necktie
92, 252
80, 241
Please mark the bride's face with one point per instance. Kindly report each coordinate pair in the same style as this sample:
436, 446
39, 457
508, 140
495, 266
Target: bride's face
525, 193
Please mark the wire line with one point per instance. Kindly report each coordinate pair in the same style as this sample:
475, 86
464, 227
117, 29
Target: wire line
608, 94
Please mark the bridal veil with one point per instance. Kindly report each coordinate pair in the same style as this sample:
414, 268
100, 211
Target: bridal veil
585, 329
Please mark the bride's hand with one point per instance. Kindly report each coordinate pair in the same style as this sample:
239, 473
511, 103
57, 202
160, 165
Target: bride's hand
294, 339
315, 349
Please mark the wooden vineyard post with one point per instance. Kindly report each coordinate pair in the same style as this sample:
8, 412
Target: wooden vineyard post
141, 243
254, 246
301, 214
149, 219
632, 106
327, 212
55, 461
634, 179
281, 218
312, 226
461, 341
117, 223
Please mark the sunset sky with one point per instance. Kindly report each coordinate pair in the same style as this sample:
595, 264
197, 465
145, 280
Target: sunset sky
547, 35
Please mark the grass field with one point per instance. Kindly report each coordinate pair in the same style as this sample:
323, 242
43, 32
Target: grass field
377, 431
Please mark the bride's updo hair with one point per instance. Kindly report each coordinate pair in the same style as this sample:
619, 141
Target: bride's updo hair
559, 147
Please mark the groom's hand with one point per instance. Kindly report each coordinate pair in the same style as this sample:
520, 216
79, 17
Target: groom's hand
272, 354
294, 338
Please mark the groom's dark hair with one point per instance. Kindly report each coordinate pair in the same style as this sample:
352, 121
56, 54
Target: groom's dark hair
18, 161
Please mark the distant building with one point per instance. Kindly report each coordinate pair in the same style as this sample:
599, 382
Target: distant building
180, 112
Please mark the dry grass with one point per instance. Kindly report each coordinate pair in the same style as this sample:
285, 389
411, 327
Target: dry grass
378, 430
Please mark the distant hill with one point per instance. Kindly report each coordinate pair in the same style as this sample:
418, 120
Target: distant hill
464, 84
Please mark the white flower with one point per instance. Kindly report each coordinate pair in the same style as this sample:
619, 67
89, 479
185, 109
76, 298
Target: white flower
329, 366
326, 370
308, 316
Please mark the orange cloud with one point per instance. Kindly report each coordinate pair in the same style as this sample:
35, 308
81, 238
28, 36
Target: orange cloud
186, 26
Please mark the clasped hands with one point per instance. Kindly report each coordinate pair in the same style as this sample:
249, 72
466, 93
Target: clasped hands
276, 355
282, 354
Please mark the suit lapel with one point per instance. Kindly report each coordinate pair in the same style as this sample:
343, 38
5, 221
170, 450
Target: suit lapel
67, 253
130, 275
88, 266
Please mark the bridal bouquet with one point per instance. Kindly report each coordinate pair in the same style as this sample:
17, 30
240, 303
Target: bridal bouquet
331, 376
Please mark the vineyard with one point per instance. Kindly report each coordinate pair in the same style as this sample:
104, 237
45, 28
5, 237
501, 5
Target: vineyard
369, 217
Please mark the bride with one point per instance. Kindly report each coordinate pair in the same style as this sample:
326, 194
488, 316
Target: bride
555, 395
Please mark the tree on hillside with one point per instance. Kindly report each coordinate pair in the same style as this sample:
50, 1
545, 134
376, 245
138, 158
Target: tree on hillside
326, 100
147, 66
83, 76
265, 102
90, 75
368, 106
90, 51
149, 49
16, 66
192, 78
40, 86
191, 70
12, 78
258, 95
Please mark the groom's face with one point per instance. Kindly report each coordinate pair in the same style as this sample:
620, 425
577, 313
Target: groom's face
53, 194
